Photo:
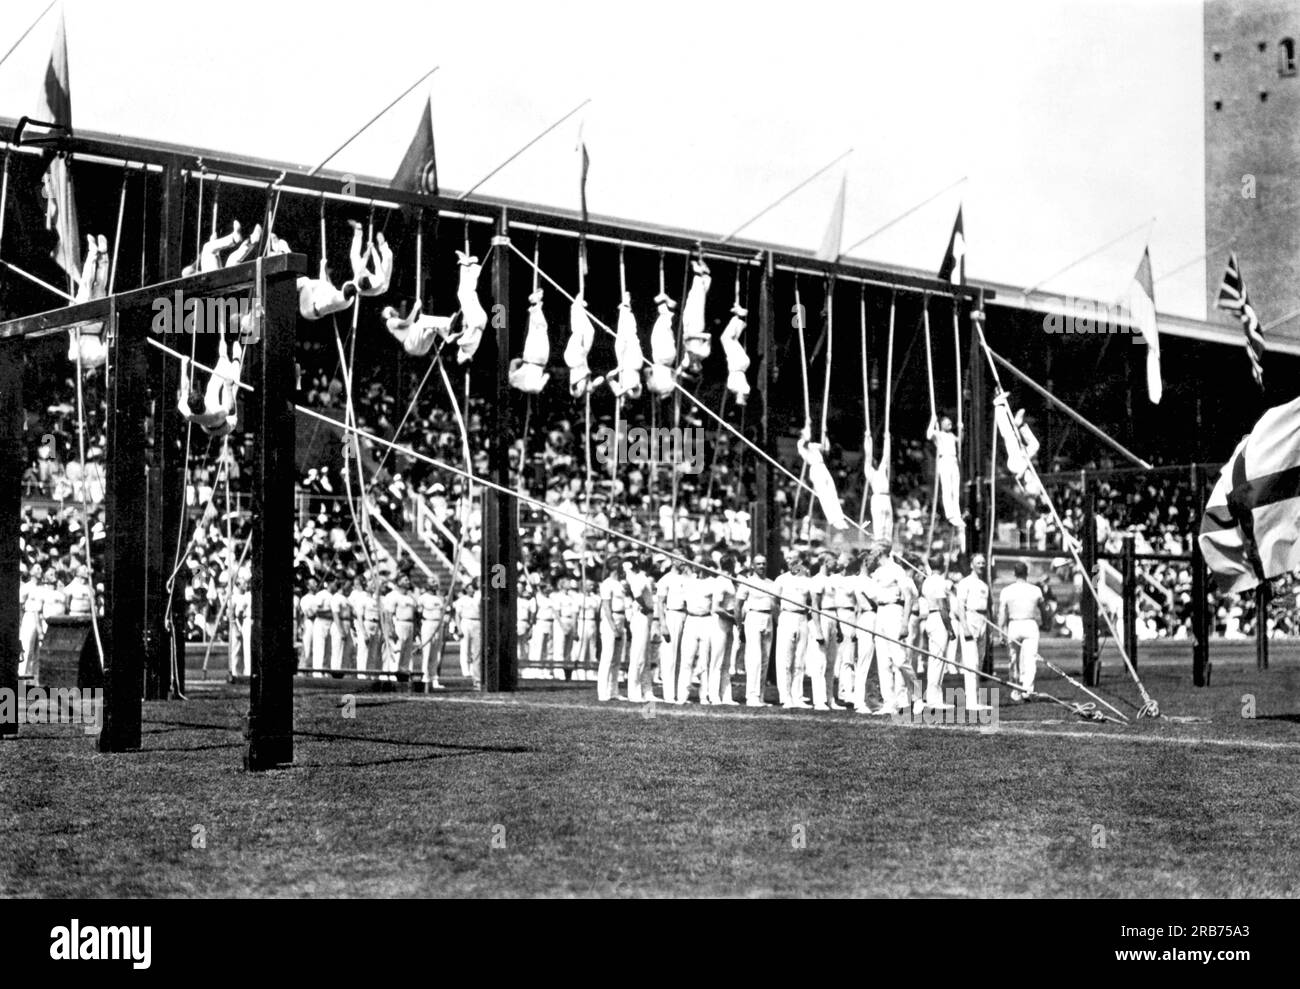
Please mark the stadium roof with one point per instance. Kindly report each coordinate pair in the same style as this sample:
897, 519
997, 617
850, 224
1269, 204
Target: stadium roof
116, 148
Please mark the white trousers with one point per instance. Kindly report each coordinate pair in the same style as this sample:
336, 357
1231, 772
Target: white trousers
936, 642
719, 669
1022, 634
320, 642
866, 652
758, 646
241, 652
613, 649
638, 647
898, 683
697, 638
430, 650
790, 635
670, 652
471, 651
29, 636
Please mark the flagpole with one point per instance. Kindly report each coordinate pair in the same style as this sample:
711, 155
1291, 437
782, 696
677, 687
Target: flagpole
763, 212
903, 216
23, 37
1200, 257
1091, 254
406, 92
475, 186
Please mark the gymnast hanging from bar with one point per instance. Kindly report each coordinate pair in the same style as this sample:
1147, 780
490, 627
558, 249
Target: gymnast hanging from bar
86, 346
213, 410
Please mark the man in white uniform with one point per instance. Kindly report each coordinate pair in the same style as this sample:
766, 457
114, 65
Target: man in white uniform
972, 598
936, 609
241, 610
819, 640
840, 599
640, 611
671, 601
895, 594
469, 617
866, 594
29, 630
793, 592
341, 626
429, 601
80, 596
755, 599
726, 617
317, 618
540, 643
401, 607
697, 634
1020, 609
614, 595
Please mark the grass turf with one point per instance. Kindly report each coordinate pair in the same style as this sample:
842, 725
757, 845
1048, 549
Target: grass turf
546, 792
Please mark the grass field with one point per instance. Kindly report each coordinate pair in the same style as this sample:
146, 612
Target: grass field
547, 792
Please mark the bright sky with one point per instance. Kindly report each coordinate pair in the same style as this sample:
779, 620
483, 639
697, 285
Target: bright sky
1075, 120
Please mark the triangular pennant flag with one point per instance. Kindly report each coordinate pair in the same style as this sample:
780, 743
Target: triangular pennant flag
586, 166
834, 237
953, 269
55, 106
1142, 306
418, 171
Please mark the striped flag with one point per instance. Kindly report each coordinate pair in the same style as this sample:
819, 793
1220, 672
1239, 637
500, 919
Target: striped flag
1250, 530
1142, 306
1233, 298
56, 185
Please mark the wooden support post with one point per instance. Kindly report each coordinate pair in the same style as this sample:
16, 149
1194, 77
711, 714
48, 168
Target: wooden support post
1088, 603
500, 516
123, 629
12, 464
166, 484
767, 520
976, 440
1262, 597
1128, 564
1200, 595
270, 415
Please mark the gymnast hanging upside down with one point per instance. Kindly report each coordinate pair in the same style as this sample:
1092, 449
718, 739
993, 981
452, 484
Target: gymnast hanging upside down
86, 346
819, 476
417, 331
372, 269
214, 410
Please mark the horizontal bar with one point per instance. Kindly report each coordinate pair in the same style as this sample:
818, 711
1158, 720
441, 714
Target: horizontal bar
1077, 476
202, 367
1048, 554
201, 284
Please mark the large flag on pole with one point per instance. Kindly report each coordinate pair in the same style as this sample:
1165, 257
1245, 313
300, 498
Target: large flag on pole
1250, 530
1233, 298
418, 171
834, 237
953, 268
1142, 307
56, 185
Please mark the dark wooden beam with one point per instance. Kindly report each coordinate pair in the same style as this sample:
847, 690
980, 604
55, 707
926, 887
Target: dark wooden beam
271, 417
500, 554
13, 456
223, 280
767, 521
166, 474
124, 509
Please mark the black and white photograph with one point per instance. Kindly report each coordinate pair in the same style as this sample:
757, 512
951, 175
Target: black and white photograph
699, 450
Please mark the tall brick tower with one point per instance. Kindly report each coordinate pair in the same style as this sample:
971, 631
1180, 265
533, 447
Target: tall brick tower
1252, 152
